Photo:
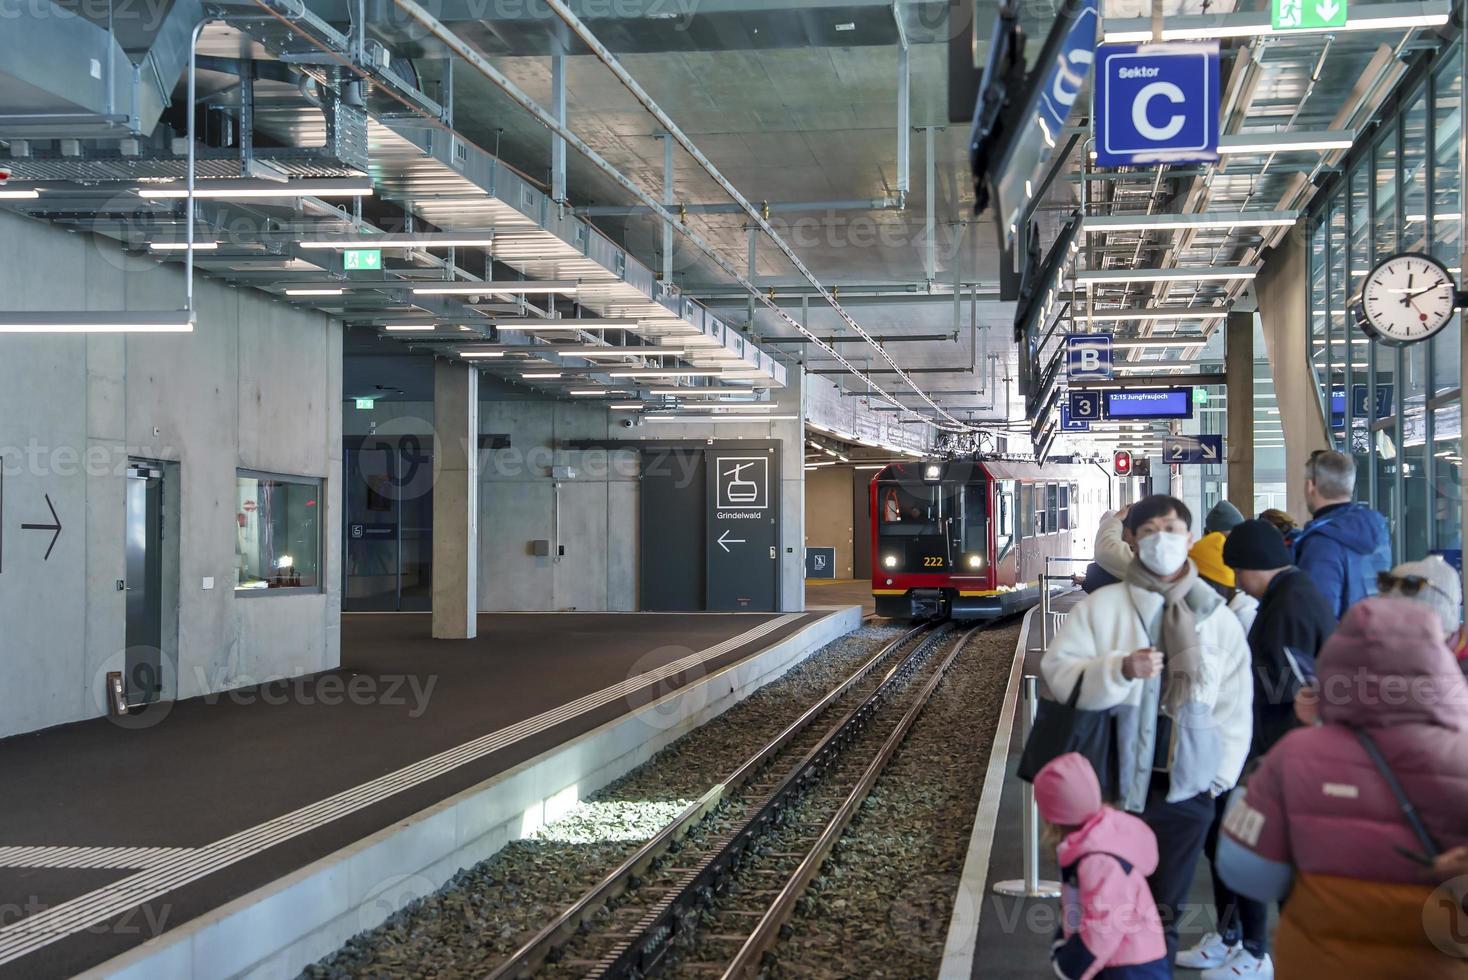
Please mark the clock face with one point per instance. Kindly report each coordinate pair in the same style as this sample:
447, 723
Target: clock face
1406, 299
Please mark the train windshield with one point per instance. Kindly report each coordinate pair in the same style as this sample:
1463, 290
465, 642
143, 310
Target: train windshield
913, 511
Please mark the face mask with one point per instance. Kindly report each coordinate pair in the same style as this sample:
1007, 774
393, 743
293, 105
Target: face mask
1164, 552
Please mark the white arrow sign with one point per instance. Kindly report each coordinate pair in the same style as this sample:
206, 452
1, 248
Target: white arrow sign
1208, 451
725, 541
1327, 10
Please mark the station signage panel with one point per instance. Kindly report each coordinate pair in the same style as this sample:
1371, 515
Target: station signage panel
1084, 407
1307, 15
362, 259
1201, 450
1156, 103
1068, 421
1149, 403
1088, 356
742, 546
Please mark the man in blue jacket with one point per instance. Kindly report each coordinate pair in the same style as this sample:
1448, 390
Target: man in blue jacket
1346, 543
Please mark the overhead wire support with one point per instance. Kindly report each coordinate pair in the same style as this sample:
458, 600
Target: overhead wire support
605, 55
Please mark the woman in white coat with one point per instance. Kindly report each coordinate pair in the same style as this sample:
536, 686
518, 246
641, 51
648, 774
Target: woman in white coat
1168, 656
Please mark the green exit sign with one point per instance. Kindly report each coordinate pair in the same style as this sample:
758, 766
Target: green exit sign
365, 404
1307, 15
362, 259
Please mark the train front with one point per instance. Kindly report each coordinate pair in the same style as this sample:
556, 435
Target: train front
931, 546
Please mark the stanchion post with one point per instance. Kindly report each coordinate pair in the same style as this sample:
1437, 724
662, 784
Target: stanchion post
1030, 886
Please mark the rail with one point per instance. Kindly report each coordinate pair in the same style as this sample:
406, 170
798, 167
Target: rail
528, 958
1050, 620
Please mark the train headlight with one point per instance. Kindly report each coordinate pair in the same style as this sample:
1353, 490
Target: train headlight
890, 561
975, 561
932, 472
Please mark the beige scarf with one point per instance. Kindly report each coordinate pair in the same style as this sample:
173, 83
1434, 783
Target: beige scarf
1179, 633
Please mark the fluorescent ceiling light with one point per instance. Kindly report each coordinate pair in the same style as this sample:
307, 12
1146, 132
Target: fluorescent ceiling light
232, 188
583, 323
533, 375
1155, 313
181, 246
575, 351
588, 391
1194, 274
405, 327
669, 373
1158, 342
314, 292
497, 286
150, 321
1257, 23
627, 406
723, 418
1100, 224
1302, 142
476, 354
18, 194
690, 392
1445, 216
427, 240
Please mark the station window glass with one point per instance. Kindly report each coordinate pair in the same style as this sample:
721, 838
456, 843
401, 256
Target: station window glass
278, 533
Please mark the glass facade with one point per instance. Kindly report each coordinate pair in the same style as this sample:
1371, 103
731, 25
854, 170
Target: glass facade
1396, 410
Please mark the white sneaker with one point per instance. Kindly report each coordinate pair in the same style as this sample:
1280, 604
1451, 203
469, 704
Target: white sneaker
1242, 964
1211, 952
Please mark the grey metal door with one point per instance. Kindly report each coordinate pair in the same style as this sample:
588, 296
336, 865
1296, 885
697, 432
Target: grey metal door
143, 676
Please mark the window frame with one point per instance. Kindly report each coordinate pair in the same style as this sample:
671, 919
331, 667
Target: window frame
320, 483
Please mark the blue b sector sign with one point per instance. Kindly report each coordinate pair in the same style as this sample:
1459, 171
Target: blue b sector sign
1156, 103
1088, 356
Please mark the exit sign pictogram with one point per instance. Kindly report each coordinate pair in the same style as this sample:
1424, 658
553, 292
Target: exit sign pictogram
1307, 15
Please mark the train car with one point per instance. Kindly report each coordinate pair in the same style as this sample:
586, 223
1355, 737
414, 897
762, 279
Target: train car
968, 538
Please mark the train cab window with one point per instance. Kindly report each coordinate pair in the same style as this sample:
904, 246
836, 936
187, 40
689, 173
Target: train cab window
1064, 520
1042, 525
1004, 518
1026, 510
1052, 508
911, 511
975, 519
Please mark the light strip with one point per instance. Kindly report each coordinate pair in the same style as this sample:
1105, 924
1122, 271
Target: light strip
723, 418
474, 355
1302, 142
432, 240
669, 373
1413, 219
584, 323
540, 375
1157, 342
1100, 224
18, 194
588, 391
699, 392
150, 321
1203, 27
1194, 274
1155, 313
410, 327
314, 292
250, 188
627, 406
498, 286
575, 351
181, 246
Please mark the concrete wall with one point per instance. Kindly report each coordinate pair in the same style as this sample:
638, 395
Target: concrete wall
256, 386
1282, 304
828, 514
600, 507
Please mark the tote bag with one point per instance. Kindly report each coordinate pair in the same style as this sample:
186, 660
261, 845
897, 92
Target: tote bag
1061, 727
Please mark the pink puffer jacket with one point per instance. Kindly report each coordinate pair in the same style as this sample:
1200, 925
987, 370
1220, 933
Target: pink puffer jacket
1319, 823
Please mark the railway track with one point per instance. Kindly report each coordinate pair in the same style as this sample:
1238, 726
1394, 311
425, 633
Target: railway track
713, 890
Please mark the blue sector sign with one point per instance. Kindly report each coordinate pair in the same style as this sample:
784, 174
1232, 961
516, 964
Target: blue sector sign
1156, 103
1084, 406
1088, 356
1150, 403
1203, 450
1068, 421
1063, 83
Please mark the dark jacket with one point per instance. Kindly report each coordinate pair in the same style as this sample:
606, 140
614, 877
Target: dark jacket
1097, 578
1293, 614
1342, 550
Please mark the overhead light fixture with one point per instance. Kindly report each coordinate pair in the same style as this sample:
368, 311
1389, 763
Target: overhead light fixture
669, 373
1193, 274
314, 292
540, 375
1101, 224
1155, 313
410, 327
1413, 219
588, 391
1301, 142
846, 25
234, 188
151, 321
584, 323
627, 406
723, 418
496, 286
19, 194
181, 246
1158, 342
474, 355
1258, 23
711, 392
574, 351
428, 240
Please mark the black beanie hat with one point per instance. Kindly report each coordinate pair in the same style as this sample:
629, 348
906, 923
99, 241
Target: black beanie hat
1256, 544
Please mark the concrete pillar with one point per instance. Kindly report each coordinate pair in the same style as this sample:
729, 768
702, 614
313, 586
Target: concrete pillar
455, 500
1239, 377
1281, 288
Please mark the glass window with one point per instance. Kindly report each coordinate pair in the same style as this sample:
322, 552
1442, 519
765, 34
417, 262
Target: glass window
1004, 526
1447, 208
1052, 508
975, 518
1064, 518
278, 533
1026, 510
1336, 337
1319, 303
1447, 478
1358, 263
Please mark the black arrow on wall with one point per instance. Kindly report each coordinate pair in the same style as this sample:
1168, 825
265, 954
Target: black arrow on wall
55, 526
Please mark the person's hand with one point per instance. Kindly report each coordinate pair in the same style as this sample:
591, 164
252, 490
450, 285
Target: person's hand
1141, 664
1451, 864
1307, 705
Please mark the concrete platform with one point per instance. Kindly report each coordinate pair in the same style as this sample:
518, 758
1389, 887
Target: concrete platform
253, 832
820, 592
992, 935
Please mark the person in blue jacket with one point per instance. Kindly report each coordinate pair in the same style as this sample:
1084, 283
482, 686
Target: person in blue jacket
1346, 543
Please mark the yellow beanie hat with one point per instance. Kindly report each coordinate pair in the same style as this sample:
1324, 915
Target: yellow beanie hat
1207, 554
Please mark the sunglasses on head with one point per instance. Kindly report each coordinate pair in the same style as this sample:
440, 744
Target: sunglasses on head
1407, 585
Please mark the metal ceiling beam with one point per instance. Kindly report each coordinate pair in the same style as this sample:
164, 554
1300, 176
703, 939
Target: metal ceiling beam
1257, 23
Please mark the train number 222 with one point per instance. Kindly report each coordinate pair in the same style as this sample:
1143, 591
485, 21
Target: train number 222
932, 561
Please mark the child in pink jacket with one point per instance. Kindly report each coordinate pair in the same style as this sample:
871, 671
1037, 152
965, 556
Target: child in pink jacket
1109, 924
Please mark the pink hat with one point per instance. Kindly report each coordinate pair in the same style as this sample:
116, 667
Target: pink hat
1066, 790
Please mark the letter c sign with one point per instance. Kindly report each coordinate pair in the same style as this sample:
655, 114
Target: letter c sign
1158, 90
1156, 103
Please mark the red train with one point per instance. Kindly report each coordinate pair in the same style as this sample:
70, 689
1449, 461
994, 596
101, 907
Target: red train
967, 538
